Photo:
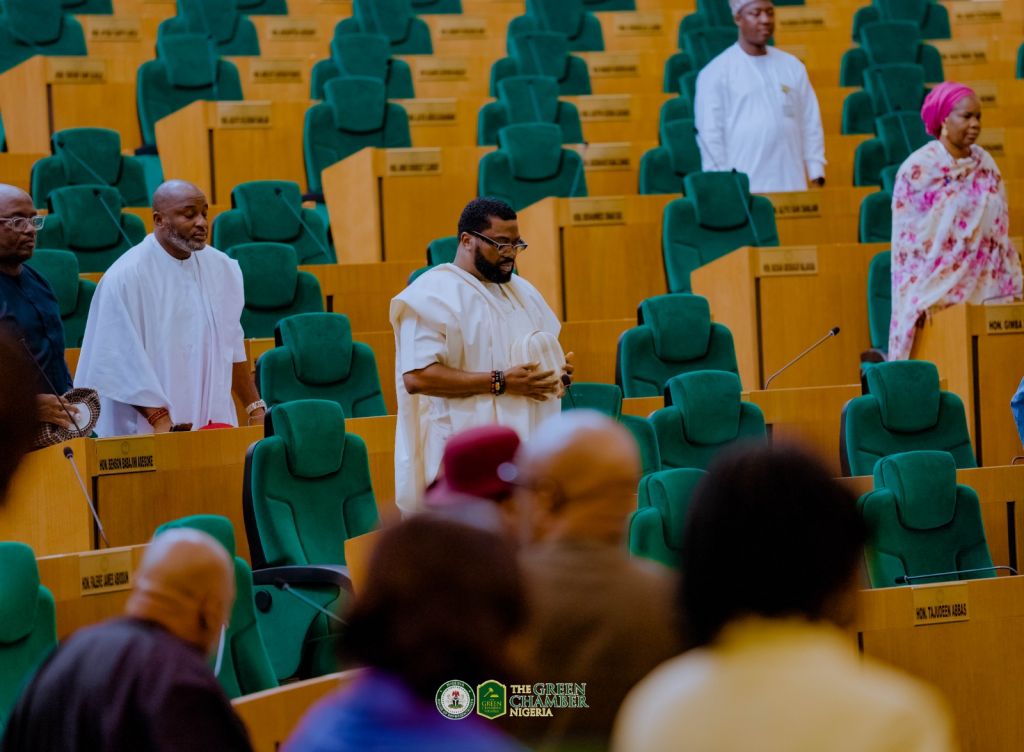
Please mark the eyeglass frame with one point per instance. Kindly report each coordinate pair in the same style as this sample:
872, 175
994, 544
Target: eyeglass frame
500, 247
36, 222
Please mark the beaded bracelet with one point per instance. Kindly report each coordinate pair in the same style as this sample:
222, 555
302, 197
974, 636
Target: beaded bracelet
154, 417
497, 383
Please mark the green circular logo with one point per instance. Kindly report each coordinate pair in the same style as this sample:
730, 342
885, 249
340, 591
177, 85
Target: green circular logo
455, 699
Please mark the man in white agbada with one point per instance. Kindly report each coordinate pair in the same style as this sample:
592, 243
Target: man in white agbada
163, 344
475, 344
756, 111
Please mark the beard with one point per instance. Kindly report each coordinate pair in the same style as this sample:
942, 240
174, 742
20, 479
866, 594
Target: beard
491, 272
183, 244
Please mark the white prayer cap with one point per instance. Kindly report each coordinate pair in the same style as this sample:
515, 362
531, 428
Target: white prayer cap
737, 5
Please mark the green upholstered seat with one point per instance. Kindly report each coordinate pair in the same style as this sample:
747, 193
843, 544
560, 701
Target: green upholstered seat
74, 294
921, 521
681, 107
703, 416
886, 42
1020, 61
263, 7
89, 156
395, 19
37, 27
87, 220
880, 300
271, 211
528, 99
440, 251
607, 399
887, 88
656, 527
186, 70
663, 168
354, 115
704, 45
88, 7
903, 410
899, 135
364, 55
245, 667
928, 16
432, 7
28, 622
675, 335
274, 286
713, 220
529, 165
306, 491
542, 53
581, 28
230, 31
316, 358
876, 218
600, 6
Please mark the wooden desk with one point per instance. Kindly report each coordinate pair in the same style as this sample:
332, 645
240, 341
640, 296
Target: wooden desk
276, 79
379, 435
974, 663
774, 314
16, 168
363, 292
131, 38
47, 94
272, 715
980, 351
620, 117
77, 608
1001, 493
217, 145
44, 507
443, 122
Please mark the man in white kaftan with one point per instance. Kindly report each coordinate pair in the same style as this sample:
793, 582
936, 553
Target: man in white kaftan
475, 344
164, 345
756, 111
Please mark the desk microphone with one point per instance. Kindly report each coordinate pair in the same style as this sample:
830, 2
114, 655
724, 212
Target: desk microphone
705, 150
567, 383
745, 200
69, 454
905, 579
282, 585
298, 215
117, 223
834, 331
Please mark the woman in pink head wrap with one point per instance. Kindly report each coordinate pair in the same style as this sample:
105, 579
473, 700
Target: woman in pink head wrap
950, 221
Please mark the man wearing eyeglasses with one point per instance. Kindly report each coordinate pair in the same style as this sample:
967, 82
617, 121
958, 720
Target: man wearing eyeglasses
28, 305
475, 345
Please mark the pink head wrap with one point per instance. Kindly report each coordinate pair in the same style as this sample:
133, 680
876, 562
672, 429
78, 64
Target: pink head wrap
940, 102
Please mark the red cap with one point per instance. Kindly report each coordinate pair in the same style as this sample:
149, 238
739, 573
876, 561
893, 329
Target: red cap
212, 426
470, 465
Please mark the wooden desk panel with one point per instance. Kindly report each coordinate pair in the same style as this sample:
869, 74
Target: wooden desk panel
379, 435
275, 78
595, 344
44, 507
16, 168
363, 292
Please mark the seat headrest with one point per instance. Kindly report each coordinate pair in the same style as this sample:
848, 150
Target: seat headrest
60, 269
32, 23
19, 582
890, 41
388, 17
915, 11
895, 86
680, 324
358, 103
216, 526
534, 150
218, 19
564, 16
709, 404
679, 137
604, 398
718, 198
670, 491
313, 433
189, 60
265, 206
89, 155
270, 274
529, 99
924, 484
442, 250
907, 392
540, 53
901, 132
361, 54
320, 345
80, 208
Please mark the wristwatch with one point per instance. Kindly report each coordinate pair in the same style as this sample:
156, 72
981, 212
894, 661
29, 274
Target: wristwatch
257, 405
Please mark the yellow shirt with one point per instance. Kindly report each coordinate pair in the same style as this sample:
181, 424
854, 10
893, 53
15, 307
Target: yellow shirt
781, 686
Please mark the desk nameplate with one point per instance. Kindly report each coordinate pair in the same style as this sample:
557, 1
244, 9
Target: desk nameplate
614, 65
105, 571
76, 70
461, 27
288, 29
797, 205
430, 111
126, 454
605, 210
605, 107
405, 163
940, 604
243, 115
1004, 319
789, 261
441, 69
276, 71
639, 24
112, 29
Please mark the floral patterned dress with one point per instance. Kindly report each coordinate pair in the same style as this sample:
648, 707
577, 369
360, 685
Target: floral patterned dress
950, 239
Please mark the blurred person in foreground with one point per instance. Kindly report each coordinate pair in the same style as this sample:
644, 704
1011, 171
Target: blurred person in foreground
771, 554
142, 681
17, 407
596, 616
442, 602
950, 221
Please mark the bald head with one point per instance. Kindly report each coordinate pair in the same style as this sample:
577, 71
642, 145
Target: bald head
186, 583
16, 244
582, 469
12, 193
173, 192
179, 218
